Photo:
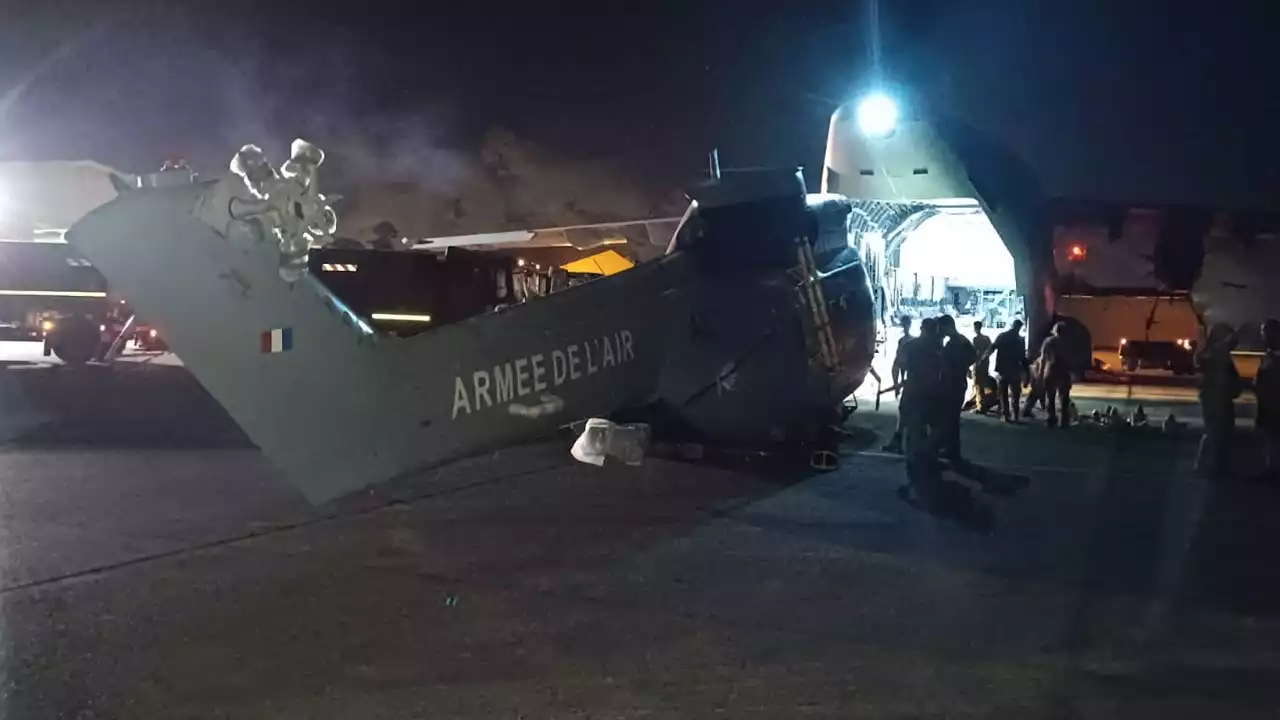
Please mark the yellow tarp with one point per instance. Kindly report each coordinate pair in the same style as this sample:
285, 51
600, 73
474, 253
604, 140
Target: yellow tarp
605, 263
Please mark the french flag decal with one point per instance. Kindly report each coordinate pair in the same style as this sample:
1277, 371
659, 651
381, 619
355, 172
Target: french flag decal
277, 340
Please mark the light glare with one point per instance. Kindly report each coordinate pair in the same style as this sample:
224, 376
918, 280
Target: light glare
877, 116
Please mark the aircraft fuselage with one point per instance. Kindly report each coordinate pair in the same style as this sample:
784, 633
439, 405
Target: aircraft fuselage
752, 329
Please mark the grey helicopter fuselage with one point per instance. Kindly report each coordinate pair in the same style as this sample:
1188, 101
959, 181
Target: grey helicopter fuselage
752, 329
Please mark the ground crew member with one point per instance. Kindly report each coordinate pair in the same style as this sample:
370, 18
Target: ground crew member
1011, 362
1219, 387
896, 370
957, 357
923, 367
981, 370
895, 443
1055, 375
1266, 385
900, 378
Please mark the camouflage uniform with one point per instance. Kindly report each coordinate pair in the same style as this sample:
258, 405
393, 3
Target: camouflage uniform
898, 372
1011, 362
924, 367
957, 357
896, 369
981, 369
1055, 376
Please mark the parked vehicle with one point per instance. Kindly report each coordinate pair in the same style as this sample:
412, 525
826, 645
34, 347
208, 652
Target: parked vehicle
1175, 356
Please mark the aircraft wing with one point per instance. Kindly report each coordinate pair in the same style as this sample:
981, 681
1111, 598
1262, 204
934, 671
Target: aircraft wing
1236, 285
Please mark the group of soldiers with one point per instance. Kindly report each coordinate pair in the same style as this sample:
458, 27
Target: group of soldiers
933, 373
1048, 378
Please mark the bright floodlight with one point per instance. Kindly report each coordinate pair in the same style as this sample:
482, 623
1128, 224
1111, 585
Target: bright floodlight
877, 116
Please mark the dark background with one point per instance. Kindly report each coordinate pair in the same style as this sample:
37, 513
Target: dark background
1102, 102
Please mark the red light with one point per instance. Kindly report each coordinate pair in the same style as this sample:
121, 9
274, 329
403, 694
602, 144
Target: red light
1077, 252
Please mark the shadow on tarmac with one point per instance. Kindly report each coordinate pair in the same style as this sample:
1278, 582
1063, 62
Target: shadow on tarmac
950, 500
956, 501
991, 480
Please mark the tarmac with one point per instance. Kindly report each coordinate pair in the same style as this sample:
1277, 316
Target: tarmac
154, 565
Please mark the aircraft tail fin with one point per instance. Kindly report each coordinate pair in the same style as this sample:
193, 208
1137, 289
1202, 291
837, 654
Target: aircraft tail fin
290, 364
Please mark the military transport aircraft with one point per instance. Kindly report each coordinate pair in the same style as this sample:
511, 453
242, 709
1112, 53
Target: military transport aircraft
752, 328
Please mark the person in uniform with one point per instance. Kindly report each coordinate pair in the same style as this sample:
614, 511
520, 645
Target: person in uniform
923, 367
1055, 375
895, 443
901, 379
1219, 387
1266, 386
896, 370
982, 381
1010, 351
958, 357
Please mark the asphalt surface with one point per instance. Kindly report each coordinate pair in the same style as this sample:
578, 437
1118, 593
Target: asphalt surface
155, 566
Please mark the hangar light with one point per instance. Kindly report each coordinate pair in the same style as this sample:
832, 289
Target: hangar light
402, 317
877, 116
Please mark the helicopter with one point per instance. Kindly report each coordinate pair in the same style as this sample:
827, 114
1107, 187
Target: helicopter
751, 328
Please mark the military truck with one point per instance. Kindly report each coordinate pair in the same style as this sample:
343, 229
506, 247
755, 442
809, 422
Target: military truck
50, 293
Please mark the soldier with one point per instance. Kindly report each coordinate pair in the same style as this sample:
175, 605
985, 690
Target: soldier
1267, 387
1219, 387
981, 369
895, 443
1011, 362
896, 370
1055, 375
923, 366
957, 357
901, 378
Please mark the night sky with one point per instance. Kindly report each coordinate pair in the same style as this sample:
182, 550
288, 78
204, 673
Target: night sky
1102, 103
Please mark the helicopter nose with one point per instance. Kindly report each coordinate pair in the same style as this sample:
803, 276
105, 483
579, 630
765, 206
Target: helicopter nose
851, 311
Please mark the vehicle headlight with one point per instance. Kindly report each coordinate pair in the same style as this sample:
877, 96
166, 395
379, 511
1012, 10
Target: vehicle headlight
47, 325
